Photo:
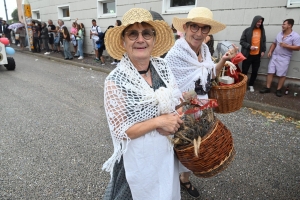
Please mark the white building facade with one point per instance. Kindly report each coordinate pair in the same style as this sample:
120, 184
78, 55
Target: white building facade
236, 14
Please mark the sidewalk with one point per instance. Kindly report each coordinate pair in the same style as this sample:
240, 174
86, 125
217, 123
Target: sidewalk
287, 105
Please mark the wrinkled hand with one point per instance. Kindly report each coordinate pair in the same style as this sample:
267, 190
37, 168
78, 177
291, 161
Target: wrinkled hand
232, 67
231, 53
169, 124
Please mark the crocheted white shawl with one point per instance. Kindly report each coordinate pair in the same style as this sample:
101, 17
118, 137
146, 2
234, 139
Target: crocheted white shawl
128, 99
185, 66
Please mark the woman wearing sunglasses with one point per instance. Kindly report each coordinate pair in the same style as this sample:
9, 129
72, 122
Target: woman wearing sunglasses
140, 98
191, 63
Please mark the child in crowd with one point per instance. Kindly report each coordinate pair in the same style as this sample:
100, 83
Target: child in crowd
56, 39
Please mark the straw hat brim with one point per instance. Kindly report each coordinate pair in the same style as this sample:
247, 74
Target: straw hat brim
215, 26
164, 39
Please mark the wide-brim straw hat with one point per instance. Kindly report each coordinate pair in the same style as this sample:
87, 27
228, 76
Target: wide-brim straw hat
200, 15
164, 38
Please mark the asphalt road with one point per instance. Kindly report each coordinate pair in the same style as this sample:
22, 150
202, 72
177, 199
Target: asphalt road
54, 139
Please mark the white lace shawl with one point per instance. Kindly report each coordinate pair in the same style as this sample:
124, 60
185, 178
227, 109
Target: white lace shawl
128, 99
185, 66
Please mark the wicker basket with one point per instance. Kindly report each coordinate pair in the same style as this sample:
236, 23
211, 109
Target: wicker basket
230, 98
215, 153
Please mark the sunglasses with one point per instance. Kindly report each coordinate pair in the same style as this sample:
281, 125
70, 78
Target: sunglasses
195, 28
134, 34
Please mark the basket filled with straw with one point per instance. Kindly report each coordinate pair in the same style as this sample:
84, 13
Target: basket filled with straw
203, 144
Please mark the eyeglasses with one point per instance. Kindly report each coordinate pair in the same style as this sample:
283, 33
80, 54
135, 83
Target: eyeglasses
195, 28
134, 34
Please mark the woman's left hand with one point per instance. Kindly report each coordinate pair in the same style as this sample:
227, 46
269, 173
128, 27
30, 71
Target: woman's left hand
231, 53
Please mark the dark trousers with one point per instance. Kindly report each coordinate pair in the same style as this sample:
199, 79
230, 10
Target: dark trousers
45, 42
36, 44
253, 60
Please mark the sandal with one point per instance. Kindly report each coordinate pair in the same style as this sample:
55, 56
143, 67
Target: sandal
192, 191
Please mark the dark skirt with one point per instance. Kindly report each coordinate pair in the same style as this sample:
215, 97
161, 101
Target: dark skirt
118, 188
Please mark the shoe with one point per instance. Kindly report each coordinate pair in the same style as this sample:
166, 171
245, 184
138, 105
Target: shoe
251, 88
66, 58
193, 192
47, 53
80, 58
278, 93
70, 58
265, 90
18, 45
76, 55
102, 63
114, 63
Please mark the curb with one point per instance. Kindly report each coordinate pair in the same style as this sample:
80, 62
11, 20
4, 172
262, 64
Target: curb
269, 108
66, 61
246, 103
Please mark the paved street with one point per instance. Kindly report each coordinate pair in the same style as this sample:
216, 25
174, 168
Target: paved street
54, 139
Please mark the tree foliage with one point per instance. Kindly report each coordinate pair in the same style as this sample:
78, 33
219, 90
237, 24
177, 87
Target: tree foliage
15, 16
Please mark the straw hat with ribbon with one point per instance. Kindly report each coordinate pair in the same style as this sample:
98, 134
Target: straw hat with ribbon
200, 15
164, 38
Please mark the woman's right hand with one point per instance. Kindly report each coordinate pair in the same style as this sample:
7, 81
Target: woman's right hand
168, 123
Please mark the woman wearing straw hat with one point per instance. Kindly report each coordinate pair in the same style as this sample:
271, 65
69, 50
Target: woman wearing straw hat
191, 63
140, 98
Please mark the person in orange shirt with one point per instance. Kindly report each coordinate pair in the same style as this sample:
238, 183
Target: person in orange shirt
253, 42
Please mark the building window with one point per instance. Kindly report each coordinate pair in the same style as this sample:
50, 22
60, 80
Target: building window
63, 12
176, 3
293, 3
106, 8
178, 6
36, 15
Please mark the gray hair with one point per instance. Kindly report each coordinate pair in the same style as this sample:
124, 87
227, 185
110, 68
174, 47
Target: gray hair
61, 21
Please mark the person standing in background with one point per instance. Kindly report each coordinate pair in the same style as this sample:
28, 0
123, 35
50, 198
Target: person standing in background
1, 32
36, 38
66, 43
281, 51
51, 32
45, 37
253, 42
94, 32
6, 31
79, 38
73, 34
22, 34
61, 37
